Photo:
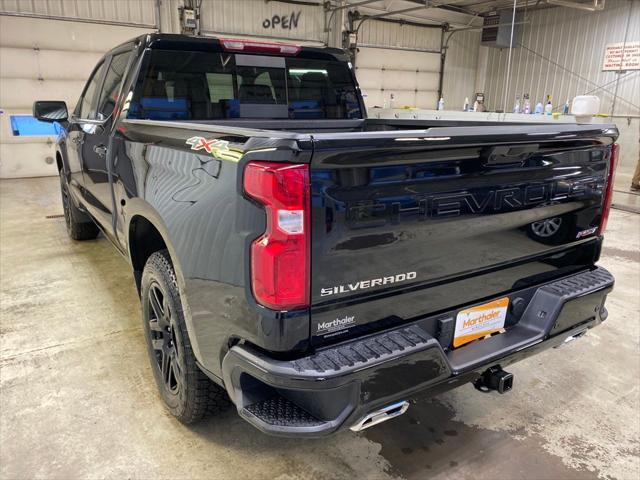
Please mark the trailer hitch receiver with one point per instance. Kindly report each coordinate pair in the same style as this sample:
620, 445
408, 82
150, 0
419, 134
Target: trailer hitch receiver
494, 378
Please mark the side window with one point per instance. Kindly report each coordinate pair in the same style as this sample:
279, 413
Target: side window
112, 81
87, 107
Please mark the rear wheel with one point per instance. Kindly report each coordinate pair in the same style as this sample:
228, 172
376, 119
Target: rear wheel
77, 228
552, 231
187, 392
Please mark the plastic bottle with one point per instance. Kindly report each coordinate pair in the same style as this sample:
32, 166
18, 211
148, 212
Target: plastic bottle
527, 104
516, 105
539, 108
441, 104
565, 109
465, 107
548, 108
392, 97
475, 106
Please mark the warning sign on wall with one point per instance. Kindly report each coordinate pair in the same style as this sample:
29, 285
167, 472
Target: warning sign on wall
622, 56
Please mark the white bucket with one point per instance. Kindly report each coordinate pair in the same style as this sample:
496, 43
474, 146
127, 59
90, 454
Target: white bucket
585, 105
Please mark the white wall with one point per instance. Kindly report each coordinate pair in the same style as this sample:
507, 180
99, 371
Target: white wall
460, 69
572, 43
45, 60
134, 12
560, 53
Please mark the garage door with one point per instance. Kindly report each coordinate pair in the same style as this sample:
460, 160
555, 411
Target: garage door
44, 59
412, 77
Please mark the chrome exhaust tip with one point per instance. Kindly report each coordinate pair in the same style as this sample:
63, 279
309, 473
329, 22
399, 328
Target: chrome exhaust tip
382, 415
575, 336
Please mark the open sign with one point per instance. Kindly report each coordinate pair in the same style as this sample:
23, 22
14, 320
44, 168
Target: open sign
285, 22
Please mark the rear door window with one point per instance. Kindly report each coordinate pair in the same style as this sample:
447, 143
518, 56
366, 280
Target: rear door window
112, 82
213, 85
86, 108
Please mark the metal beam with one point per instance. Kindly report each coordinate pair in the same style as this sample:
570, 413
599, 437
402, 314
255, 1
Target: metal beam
450, 6
411, 23
158, 8
351, 5
424, 5
297, 2
407, 49
596, 5
79, 20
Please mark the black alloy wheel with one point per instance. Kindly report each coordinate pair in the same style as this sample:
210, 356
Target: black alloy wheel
79, 224
64, 191
187, 392
164, 341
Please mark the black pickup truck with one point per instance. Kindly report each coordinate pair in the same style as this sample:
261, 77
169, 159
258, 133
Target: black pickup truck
318, 267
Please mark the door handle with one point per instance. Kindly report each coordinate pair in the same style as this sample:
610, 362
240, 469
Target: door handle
100, 150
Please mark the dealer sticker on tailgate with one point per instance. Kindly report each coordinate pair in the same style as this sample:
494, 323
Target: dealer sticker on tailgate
481, 320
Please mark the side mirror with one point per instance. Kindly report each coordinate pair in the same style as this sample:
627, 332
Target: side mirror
50, 111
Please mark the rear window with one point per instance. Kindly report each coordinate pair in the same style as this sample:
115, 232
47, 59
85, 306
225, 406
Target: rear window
179, 85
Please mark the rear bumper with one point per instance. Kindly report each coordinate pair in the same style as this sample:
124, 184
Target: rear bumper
335, 387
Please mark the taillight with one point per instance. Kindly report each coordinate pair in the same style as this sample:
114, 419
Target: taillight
608, 193
280, 257
249, 46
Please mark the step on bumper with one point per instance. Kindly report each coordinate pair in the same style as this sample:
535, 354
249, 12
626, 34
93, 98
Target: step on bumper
338, 387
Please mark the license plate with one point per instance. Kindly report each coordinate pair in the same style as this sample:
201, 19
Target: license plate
479, 321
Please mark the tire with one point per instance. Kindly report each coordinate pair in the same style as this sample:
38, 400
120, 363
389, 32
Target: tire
187, 392
77, 228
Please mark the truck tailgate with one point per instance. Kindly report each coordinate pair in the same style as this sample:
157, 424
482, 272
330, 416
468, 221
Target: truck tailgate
407, 224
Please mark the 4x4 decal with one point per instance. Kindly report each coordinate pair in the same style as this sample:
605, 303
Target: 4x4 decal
218, 148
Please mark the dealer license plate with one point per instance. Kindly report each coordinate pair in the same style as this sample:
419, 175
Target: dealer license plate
479, 321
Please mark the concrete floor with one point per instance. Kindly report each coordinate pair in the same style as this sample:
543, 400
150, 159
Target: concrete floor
78, 398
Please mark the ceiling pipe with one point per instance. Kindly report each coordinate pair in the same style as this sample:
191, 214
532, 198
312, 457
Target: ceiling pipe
594, 6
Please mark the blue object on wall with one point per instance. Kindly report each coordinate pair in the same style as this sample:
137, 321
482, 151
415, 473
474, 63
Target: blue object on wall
27, 126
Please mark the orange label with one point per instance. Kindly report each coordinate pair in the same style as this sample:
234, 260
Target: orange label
481, 320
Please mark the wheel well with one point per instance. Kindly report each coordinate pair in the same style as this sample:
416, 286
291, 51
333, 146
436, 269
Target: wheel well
144, 240
59, 161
